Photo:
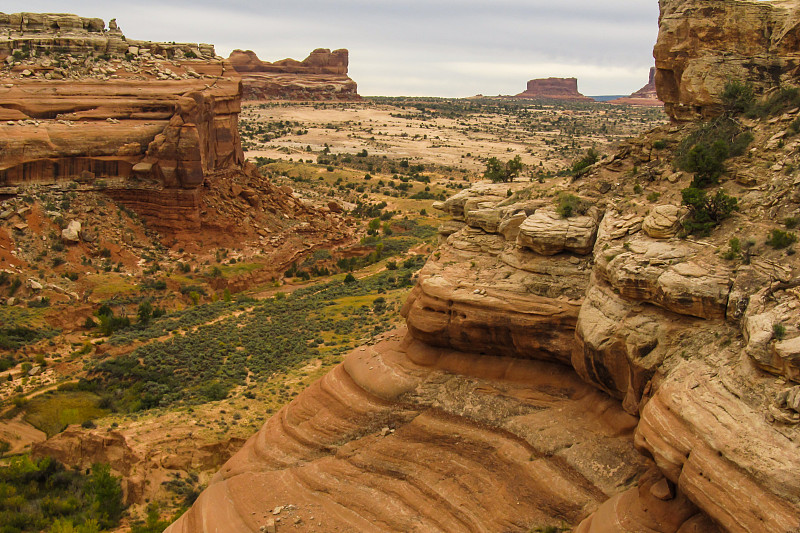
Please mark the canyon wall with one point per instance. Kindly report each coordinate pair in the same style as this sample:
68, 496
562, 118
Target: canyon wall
144, 121
321, 76
554, 89
595, 370
70, 34
704, 44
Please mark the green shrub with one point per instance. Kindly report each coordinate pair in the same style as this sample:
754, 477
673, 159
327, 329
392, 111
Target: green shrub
781, 239
42, 495
778, 331
705, 150
778, 102
734, 249
579, 166
706, 212
568, 205
107, 493
707, 162
791, 222
738, 97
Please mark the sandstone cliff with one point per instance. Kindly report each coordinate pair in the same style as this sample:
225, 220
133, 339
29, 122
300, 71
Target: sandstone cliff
70, 34
704, 44
554, 89
593, 369
147, 122
321, 76
576, 342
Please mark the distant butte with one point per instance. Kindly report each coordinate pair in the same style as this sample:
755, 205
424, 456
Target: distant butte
321, 76
554, 89
646, 96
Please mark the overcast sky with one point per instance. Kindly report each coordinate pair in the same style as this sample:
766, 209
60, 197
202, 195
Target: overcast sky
412, 47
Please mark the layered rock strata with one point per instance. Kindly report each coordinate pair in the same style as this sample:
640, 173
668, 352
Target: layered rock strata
321, 76
704, 44
406, 437
504, 310
554, 89
694, 352
138, 122
62, 33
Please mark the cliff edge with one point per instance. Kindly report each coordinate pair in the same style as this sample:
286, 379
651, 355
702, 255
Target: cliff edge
321, 76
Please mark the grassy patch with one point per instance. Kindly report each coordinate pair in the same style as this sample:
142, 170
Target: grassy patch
108, 285
52, 412
237, 269
205, 363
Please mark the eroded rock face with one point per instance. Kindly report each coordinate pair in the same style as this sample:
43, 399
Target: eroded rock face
547, 233
655, 505
171, 132
663, 222
722, 453
142, 469
642, 324
146, 122
405, 437
321, 76
772, 338
67, 33
554, 89
704, 44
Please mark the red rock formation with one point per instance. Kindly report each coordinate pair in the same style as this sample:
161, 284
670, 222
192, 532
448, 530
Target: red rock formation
147, 129
554, 89
405, 437
320, 61
646, 96
71, 34
321, 76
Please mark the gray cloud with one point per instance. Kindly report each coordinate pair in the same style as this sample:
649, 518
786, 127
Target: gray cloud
414, 47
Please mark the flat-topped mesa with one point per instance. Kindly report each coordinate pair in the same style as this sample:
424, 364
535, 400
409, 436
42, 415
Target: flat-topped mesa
147, 122
734, 40
320, 76
646, 96
554, 89
320, 61
45, 33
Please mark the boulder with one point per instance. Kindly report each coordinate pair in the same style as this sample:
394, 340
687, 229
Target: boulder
546, 233
663, 221
72, 233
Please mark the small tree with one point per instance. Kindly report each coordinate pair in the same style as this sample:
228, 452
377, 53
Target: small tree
107, 493
738, 97
497, 171
707, 162
145, 312
5, 446
706, 211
